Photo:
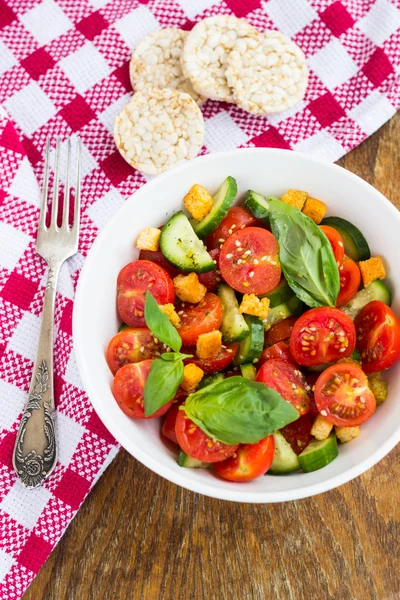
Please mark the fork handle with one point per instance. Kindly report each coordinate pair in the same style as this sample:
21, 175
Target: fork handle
35, 452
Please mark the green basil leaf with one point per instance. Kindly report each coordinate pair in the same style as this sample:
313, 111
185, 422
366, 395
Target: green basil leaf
239, 411
159, 324
162, 384
305, 254
175, 356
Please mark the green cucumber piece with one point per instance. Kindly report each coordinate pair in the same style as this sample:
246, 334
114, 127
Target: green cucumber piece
318, 454
293, 306
123, 326
210, 380
184, 460
355, 244
251, 347
234, 328
258, 205
222, 202
181, 246
355, 355
376, 290
248, 371
280, 294
285, 459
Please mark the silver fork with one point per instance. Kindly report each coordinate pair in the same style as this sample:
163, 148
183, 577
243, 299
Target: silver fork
35, 452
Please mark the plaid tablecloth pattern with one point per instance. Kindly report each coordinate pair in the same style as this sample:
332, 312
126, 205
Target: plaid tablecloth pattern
64, 71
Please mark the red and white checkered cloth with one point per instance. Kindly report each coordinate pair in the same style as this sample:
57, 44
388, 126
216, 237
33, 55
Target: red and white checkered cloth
64, 71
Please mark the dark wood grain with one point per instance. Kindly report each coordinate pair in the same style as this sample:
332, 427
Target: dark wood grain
139, 537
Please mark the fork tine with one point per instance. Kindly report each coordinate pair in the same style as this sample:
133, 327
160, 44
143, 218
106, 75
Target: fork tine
54, 208
77, 206
45, 187
67, 187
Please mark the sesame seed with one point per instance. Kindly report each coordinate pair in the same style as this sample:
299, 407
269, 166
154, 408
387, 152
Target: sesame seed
264, 257
324, 413
272, 262
240, 249
247, 252
256, 261
255, 360
251, 274
155, 340
340, 244
237, 243
239, 262
342, 349
180, 312
229, 255
362, 400
221, 240
230, 231
142, 349
233, 226
241, 356
215, 262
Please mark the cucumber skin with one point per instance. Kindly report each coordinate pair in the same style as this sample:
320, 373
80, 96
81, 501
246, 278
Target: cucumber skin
293, 306
279, 468
280, 294
330, 444
184, 460
210, 379
350, 232
255, 207
211, 221
256, 340
248, 371
123, 326
224, 290
376, 290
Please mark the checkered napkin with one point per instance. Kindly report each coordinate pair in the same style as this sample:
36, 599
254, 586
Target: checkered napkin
64, 71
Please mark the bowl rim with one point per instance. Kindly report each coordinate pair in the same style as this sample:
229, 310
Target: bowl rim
201, 487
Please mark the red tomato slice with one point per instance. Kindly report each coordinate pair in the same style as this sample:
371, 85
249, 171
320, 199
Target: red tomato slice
336, 242
298, 433
158, 257
197, 444
131, 346
378, 336
249, 461
199, 318
279, 350
288, 381
322, 335
237, 218
212, 279
280, 331
133, 282
249, 261
128, 386
350, 279
168, 428
343, 397
215, 364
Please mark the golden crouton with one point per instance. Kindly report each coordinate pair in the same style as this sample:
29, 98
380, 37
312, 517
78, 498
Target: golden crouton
192, 375
295, 198
346, 434
189, 289
198, 201
321, 428
209, 344
372, 269
170, 312
251, 305
149, 239
315, 209
378, 387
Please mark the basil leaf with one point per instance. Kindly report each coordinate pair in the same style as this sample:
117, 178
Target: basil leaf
239, 411
159, 324
175, 356
162, 384
305, 254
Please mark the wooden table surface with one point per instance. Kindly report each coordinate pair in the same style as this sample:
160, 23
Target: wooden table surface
139, 537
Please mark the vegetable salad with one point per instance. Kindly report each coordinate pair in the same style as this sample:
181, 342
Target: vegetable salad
258, 331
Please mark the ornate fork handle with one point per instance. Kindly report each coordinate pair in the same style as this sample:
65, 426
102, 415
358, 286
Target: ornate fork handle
35, 453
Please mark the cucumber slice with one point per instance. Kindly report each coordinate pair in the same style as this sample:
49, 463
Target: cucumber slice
234, 328
355, 244
251, 347
318, 454
181, 246
184, 460
258, 205
210, 379
285, 460
248, 371
376, 290
222, 201
293, 306
282, 293
355, 355
123, 326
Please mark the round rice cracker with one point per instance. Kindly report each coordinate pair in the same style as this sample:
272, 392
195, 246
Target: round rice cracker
158, 129
267, 72
205, 53
156, 63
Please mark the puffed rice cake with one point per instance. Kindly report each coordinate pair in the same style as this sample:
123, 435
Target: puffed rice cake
267, 72
156, 63
205, 54
158, 129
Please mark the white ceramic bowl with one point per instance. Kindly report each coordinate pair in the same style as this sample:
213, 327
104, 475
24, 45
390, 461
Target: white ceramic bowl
95, 321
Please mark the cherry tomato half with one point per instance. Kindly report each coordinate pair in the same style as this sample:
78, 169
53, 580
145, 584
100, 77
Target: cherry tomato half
237, 218
134, 280
168, 428
197, 444
288, 381
158, 257
350, 279
130, 346
279, 350
212, 279
342, 395
322, 335
336, 242
298, 433
248, 462
199, 318
217, 363
378, 336
249, 261
280, 331
128, 386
